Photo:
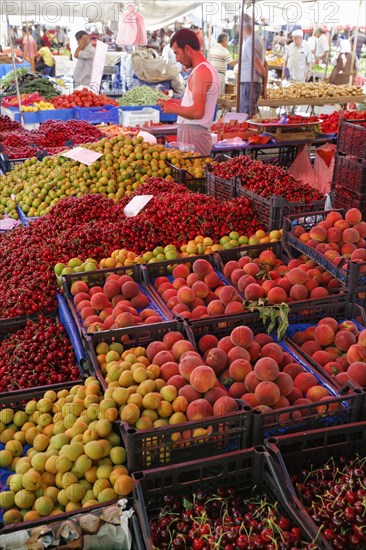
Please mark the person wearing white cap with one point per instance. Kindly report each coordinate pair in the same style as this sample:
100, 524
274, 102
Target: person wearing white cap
298, 58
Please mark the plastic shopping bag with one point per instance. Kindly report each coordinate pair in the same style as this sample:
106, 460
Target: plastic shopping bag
302, 168
324, 167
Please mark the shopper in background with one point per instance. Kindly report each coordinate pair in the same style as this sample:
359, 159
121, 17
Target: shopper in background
196, 110
84, 54
361, 41
322, 47
197, 31
44, 60
37, 33
60, 34
260, 71
312, 42
298, 58
29, 47
344, 67
220, 57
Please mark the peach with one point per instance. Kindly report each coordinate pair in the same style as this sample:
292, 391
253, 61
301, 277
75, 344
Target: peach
244, 260
199, 312
333, 368
237, 390
146, 313
341, 224
239, 369
330, 322
251, 381
251, 269
201, 267
324, 335
298, 230
177, 381
254, 351
325, 223
361, 228
163, 356
344, 339
217, 359
124, 320
207, 342
185, 295
212, 280
277, 295
350, 236
304, 403
242, 336
78, 287
181, 308
225, 405
267, 257
334, 235
229, 268
170, 338
178, 283
357, 372
91, 320
304, 381
111, 288
262, 339
282, 403
266, 369
284, 284
187, 366
94, 326
268, 285
95, 290
296, 276
226, 379
249, 399
234, 308
157, 282
215, 308
130, 289
316, 393
108, 322
200, 289
227, 294
285, 383
287, 358
140, 301
81, 296
348, 325
353, 216
359, 254
294, 395
318, 233
154, 348
310, 347
319, 292
203, 378
169, 369
210, 297
214, 394
168, 294
267, 393
333, 352
189, 393
321, 357
190, 354
243, 281
238, 353
181, 271
225, 344
332, 217
99, 301
253, 292
181, 347
362, 338
180, 405
87, 311
192, 278
299, 292
356, 353
342, 378
274, 351
106, 312
199, 409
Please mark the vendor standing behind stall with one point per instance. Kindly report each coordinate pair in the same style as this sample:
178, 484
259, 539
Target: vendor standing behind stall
298, 58
29, 47
84, 54
197, 109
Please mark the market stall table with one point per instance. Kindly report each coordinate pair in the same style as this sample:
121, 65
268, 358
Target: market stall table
7, 67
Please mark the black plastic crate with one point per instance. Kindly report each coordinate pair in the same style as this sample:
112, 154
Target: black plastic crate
349, 173
140, 335
9, 326
344, 405
180, 175
347, 198
97, 278
220, 188
252, 472
254, 250
271, 211
7, 164
351, 139
312, 449
353, 278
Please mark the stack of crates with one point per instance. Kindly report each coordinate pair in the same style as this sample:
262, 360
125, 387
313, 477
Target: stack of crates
349, 178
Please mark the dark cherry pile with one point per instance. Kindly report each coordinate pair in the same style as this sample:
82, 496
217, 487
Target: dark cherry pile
266, 180
223, 520
38, 355
92, 226
335, 496
6, 124
17, 142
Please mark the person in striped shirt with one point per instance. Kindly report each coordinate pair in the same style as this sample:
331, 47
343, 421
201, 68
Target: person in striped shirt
220, 57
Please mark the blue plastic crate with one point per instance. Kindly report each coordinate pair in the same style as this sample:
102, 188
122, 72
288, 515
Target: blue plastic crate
56, 114
97, 115
24, 218
29, 118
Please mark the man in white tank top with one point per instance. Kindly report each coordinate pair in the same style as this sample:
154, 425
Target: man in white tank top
197, 108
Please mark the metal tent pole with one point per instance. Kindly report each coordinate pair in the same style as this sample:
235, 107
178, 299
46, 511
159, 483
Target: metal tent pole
240, 55
15, 71
252, 92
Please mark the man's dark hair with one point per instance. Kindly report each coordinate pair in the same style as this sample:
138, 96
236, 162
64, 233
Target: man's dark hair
80, 34
221, 37
42, 43
185, 37
24, 29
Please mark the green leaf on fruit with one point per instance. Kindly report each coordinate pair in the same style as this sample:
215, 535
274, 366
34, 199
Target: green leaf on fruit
274, 316
187, 504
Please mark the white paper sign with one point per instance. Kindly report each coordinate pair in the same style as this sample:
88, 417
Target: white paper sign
136, 205
98, 66
240, 117
86, 156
